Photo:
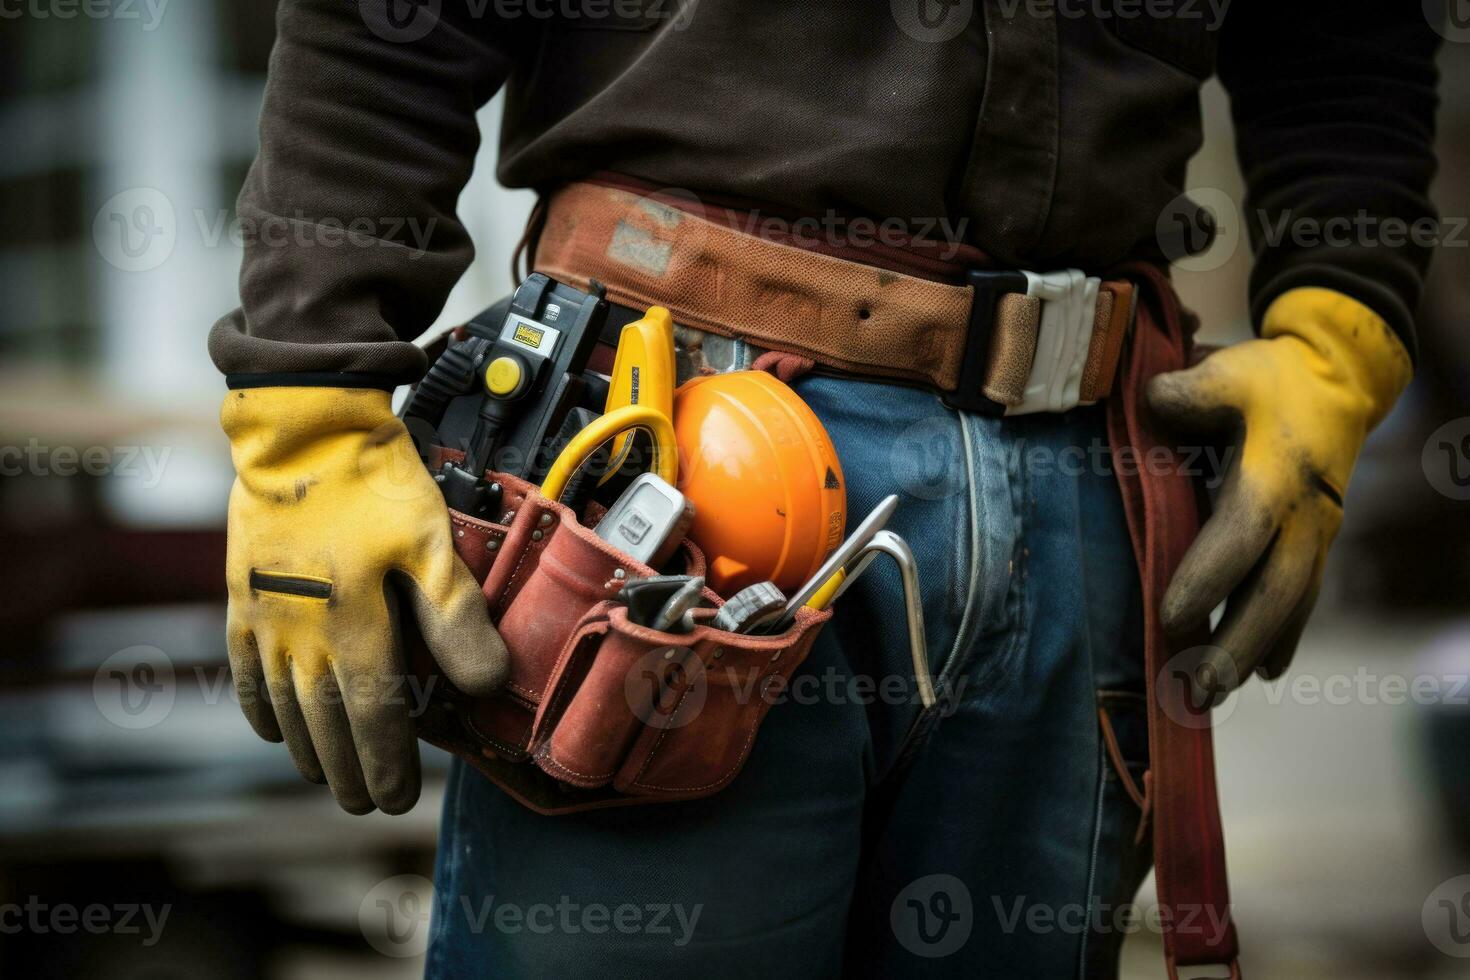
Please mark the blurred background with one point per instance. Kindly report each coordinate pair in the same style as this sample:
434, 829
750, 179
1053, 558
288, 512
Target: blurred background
145, 832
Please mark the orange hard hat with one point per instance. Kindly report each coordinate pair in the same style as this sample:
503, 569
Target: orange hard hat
763, 476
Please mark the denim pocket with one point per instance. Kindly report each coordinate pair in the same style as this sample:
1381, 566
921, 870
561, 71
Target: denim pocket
991, 581
899, 440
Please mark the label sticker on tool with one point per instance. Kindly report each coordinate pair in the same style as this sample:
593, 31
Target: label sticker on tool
530, 334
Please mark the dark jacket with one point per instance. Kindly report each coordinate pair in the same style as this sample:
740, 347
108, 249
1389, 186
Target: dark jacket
1050, 133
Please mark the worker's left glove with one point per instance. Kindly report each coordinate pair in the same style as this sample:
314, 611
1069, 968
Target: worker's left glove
332, 519
1300, 403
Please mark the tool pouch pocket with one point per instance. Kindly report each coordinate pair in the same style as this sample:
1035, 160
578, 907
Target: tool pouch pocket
599, 710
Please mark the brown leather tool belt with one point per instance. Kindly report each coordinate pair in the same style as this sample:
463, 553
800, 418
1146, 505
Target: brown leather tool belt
1005, 343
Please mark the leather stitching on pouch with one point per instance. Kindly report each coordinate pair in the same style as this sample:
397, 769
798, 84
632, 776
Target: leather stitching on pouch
740, 756
653, 752
544, 755
562, 691
514, 579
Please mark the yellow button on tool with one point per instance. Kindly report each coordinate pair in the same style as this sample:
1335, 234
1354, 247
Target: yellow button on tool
503, 375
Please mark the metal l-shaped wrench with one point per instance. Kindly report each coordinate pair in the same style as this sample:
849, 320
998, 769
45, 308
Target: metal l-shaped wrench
887, 543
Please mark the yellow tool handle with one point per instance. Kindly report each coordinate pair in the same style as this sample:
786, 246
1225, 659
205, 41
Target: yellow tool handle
643, 374
825, 594
585, 443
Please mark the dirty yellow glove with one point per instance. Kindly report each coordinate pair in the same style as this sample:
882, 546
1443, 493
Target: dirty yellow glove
332, 519
1299, 403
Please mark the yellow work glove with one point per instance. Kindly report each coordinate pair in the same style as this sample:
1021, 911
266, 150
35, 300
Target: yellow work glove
1299, 402
332, 519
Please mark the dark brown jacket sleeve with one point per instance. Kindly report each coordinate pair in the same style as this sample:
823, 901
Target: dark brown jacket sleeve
367, 137
1334, 117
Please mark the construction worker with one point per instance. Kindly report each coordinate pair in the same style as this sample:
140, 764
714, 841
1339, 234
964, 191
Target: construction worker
886, 150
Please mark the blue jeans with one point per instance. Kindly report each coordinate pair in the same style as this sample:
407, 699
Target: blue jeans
988, 836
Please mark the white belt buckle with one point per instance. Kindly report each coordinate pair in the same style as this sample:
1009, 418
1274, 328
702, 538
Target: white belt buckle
1068, 309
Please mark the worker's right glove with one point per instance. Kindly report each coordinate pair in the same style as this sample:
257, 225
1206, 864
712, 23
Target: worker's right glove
333, 516
1299, 403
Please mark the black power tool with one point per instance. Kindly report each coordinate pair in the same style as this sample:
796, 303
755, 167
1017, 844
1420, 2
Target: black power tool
503, 395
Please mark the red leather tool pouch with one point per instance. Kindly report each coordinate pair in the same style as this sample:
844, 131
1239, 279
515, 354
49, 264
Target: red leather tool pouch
598, 710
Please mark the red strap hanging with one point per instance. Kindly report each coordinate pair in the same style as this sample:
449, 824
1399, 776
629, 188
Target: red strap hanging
1163, 518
